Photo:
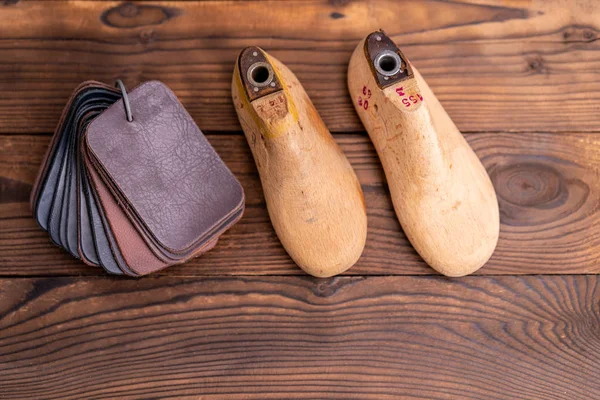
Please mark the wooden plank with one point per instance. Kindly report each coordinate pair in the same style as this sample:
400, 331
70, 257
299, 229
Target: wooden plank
548, 188
515, 65
489, 338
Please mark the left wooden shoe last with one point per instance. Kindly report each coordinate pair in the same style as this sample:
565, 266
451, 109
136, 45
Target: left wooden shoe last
441, 192
313, 196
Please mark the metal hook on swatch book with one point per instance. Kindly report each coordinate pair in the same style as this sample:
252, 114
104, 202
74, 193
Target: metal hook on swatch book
121, 86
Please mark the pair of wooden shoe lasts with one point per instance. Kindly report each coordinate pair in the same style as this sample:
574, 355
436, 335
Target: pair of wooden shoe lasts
441, 192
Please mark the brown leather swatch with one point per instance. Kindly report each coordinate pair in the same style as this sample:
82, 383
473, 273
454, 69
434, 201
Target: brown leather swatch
136, 253
162, 168
138, 196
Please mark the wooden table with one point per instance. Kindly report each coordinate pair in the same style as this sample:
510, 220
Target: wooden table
520, 78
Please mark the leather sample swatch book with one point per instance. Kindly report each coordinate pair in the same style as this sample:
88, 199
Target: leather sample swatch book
130, 183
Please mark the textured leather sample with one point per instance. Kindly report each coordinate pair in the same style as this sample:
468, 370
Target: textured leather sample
143, 161
133, 197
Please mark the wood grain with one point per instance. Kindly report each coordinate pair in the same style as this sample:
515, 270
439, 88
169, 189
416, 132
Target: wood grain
515, 65
484, 338
497, 67
548, 188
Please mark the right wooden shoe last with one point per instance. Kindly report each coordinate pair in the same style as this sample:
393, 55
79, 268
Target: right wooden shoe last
441, 192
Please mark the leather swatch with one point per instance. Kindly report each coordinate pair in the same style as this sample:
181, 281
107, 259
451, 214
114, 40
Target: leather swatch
133, 196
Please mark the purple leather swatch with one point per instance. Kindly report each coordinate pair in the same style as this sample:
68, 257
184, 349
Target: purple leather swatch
163, 168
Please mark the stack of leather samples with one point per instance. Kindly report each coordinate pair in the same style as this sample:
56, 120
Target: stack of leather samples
131, 184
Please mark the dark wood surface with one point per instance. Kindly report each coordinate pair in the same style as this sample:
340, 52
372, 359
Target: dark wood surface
520, 78
296, 337
495, 65
548, 188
